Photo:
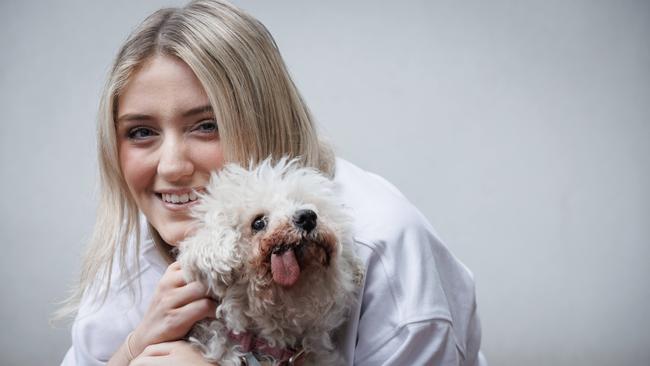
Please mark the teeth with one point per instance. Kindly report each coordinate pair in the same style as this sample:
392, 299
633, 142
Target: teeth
183, 198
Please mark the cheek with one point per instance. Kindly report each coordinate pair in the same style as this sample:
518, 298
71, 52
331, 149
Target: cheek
207, 156
136, 168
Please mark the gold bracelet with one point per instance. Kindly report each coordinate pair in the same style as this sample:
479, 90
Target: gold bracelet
129, 354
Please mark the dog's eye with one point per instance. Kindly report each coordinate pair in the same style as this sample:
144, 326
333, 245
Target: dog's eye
259, 223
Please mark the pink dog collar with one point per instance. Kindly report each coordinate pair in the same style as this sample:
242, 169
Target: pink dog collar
284, 356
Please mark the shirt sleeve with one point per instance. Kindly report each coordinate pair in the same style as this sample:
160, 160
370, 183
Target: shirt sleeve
418, 304
99, 330
101, 327
424, 343
68, 359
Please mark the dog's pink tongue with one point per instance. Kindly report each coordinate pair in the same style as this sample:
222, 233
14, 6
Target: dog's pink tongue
285, 268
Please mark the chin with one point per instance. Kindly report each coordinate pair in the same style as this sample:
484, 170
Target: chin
174, 233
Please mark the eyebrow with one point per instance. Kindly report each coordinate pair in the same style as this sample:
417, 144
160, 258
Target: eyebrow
198, 110
144, 117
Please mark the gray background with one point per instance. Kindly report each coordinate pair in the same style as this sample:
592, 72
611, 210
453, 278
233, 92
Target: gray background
520, 128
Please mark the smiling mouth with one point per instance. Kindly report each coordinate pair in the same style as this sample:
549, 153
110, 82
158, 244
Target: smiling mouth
178, 199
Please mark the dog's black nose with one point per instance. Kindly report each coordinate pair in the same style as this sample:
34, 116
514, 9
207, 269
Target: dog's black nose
305, 219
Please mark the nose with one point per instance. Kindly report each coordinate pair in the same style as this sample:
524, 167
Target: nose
305, 219
175, 163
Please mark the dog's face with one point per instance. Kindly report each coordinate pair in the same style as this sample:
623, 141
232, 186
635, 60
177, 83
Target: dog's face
274, 226
286, 238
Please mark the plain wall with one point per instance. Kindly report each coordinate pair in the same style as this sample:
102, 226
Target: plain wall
521, 129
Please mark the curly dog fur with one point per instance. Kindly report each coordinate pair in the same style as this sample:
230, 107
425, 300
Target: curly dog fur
274, 247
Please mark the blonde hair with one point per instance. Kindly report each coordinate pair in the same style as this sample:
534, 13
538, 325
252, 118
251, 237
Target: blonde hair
258, 108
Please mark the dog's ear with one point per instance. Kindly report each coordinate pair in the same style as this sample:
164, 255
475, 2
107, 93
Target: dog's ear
213, 257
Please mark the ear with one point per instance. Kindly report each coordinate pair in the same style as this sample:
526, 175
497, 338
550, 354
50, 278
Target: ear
212, 256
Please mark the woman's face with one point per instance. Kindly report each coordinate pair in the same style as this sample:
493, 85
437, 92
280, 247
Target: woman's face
168, 143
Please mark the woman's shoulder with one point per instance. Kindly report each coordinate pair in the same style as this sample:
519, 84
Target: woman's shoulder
380, 211
395, 231
411, 276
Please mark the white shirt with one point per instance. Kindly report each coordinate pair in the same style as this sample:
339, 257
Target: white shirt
418, 305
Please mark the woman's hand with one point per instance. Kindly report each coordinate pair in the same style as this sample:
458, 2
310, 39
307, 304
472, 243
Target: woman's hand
171, 353
175, 307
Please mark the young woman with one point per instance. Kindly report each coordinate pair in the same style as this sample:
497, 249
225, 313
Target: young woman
191, 89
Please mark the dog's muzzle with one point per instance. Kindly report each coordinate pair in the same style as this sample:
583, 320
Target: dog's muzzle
284, 264
300, 244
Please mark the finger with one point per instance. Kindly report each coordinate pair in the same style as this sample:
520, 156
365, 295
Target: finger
191, 292
198, 310
144, 361
159, 349
173, 279
174, 266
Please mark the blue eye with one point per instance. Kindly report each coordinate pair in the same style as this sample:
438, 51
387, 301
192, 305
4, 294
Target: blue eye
207, 126
140, 133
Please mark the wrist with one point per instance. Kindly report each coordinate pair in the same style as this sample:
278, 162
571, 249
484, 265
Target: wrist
129, 349
135, 342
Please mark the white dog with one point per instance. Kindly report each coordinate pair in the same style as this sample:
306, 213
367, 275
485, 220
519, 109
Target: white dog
273, 246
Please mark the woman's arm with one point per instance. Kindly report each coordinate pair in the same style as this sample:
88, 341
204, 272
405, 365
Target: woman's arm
170, 354
174, 308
